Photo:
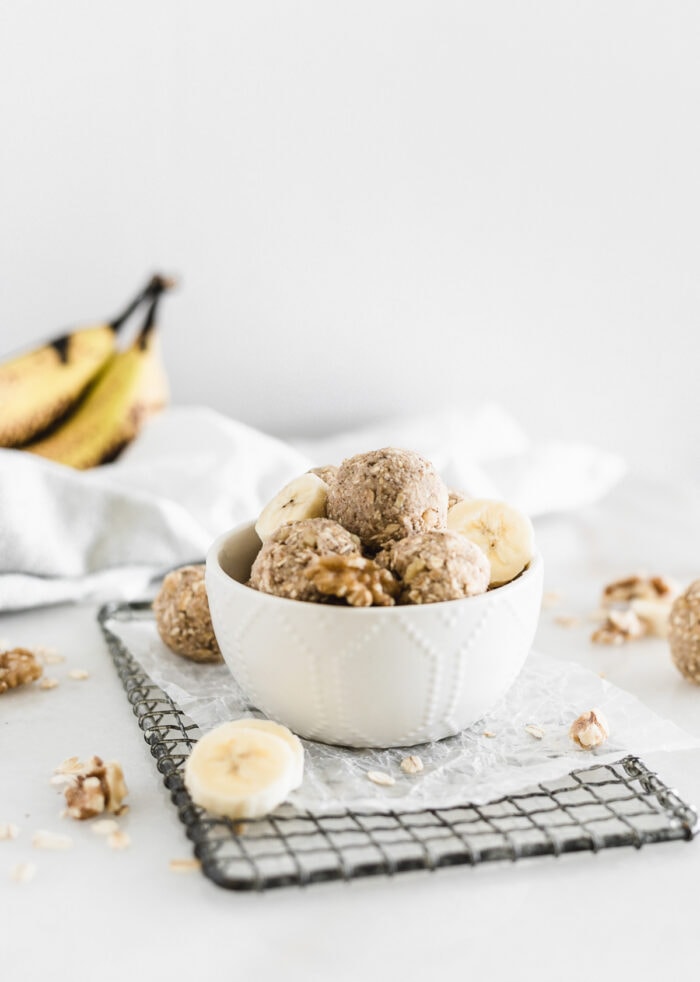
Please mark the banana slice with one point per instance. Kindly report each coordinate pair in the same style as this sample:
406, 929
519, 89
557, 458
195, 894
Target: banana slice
304, 497
240, 772
283, 733
504, 534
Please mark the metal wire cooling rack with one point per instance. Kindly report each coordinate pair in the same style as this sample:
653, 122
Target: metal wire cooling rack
622, 804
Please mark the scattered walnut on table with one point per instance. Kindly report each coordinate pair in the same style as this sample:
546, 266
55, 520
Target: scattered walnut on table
638, 587
18, 666
634, 607
91, 788
619, 626
355, 579
589, 730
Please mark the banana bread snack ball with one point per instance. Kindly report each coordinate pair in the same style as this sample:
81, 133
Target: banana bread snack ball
327, 473
684, 633
386, 495
280, 566
435, 566
182, 615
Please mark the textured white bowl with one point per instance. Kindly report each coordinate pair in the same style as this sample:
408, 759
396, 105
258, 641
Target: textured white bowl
370, 676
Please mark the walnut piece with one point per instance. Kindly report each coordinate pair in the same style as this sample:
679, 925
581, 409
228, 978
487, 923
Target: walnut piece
638, 588
91, 788
619, 626
589, 730
18, 666
357, 580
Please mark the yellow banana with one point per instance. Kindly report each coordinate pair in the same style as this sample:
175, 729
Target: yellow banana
128, 390
40, 387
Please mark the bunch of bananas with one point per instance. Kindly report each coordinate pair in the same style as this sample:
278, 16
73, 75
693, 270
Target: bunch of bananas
78, 399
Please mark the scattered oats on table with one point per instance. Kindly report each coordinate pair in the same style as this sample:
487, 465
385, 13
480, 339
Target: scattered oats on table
23, 872
118, 840
184, 865
47, 683
534, 730
53, 841
412, 764
8, 830
381, 778
567, 620
79, 674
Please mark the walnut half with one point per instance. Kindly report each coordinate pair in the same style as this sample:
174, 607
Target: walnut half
589, 730
17, 667
92, 787
355, 579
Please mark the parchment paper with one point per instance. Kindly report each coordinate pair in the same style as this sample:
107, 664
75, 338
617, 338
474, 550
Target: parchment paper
471, 767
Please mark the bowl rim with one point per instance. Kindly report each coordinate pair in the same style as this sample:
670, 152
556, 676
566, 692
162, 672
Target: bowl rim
213, 565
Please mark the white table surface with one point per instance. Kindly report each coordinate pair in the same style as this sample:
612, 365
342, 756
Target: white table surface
96, 913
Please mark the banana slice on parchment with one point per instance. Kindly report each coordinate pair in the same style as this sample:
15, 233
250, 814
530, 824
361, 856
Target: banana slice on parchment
241, 771
293, 742
502, 532
304, 497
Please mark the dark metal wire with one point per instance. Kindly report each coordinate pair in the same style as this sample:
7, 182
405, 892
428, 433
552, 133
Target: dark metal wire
598, 807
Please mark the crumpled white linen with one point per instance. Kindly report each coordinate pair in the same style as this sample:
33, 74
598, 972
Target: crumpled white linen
70, 535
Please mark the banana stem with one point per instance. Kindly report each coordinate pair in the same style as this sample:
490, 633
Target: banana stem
155, 286
150, 322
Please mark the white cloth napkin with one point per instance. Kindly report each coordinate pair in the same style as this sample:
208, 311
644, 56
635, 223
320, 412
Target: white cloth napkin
67, 535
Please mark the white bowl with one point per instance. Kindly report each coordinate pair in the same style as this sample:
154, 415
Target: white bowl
368, 676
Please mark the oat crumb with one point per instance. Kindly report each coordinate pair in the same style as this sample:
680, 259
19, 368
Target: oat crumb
551, 599
488, 733
412, 764
381, 778
105, 826
23, 872
48, 683
78, 674
534, 730
8, 831
118, 840
567, 620
184, 865
51, 840
48, 656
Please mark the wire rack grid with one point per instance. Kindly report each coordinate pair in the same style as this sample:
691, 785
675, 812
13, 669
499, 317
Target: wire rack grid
600, 807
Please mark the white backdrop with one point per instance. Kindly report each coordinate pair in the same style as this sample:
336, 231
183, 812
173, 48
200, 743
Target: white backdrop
374, 207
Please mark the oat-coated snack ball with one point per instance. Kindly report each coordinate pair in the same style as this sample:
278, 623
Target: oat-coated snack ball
327, 473
435, 566
684, 633
280, 566
386, 495
182, 615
